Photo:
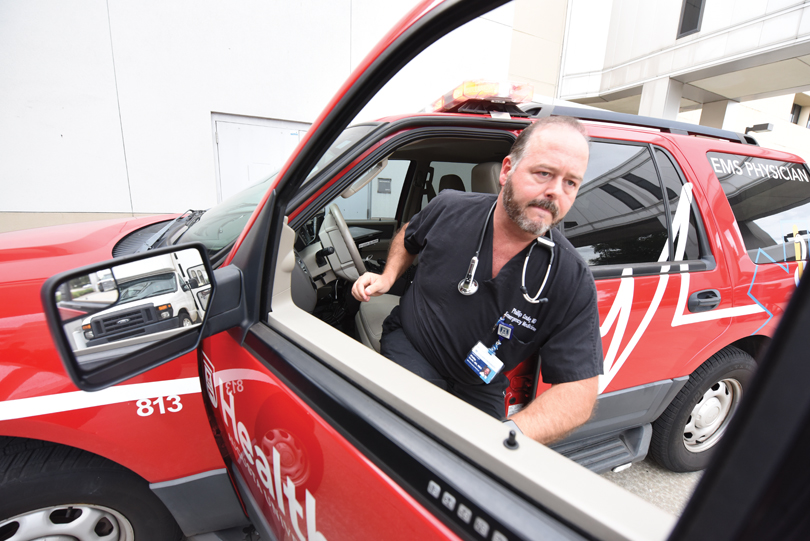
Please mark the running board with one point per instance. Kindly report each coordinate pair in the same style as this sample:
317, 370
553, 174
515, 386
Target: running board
604, 452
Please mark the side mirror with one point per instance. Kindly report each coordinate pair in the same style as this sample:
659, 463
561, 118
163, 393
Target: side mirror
114, 320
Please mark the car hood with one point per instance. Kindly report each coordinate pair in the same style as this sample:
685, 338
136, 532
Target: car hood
27, 259
43, 252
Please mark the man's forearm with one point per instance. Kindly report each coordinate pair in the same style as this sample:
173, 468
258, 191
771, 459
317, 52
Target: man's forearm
399, 259
558, 411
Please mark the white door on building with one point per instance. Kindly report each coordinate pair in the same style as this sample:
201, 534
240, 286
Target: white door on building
249, 149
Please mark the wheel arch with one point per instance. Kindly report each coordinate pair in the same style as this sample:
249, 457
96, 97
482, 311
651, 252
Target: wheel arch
198, 504
754, 345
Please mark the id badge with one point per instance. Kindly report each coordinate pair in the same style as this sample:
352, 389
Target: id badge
485, 364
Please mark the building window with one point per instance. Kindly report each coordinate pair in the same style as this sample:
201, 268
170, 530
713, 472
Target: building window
691, 16
795, 113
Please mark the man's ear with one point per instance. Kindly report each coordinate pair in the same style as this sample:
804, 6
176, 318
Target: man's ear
506, 168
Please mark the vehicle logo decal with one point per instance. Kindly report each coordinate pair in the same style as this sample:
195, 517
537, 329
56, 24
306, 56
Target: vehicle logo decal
56, 403
264, 469
210, 386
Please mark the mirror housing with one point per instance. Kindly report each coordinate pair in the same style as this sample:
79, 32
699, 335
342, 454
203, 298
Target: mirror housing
113, 320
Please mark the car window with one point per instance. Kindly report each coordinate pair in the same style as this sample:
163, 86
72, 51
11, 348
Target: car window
449, 176
675, 188
619, 217
342, 144
771, 202
218, 228
378, 198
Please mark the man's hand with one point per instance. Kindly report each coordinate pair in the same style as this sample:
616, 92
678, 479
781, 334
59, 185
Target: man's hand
558, 411
399, 259
370, 285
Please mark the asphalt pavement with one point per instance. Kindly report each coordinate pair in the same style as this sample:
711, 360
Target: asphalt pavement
663, 488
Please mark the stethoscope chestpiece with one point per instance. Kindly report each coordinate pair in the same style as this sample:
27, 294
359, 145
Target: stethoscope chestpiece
468, 285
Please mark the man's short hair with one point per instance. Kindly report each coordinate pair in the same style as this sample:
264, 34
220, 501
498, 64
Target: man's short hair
520, 144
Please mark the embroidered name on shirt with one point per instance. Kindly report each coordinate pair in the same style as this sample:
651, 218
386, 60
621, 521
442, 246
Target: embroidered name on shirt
519, 318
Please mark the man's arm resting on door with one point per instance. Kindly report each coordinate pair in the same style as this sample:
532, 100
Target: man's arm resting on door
558, 411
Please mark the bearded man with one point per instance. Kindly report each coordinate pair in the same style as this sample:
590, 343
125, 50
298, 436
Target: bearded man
533, 292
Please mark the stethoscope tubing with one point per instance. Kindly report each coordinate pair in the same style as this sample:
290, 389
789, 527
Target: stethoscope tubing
468, 285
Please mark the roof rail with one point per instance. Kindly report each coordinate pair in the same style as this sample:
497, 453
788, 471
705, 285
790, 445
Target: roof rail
537, 110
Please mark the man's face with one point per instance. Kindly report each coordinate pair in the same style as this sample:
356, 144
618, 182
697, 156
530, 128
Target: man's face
539, 191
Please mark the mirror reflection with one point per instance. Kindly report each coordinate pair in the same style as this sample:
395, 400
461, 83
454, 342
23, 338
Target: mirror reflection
115, 311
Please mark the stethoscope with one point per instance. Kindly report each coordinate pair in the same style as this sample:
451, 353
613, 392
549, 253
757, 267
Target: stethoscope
468, 285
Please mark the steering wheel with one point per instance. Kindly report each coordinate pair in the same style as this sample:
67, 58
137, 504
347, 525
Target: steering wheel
347, 256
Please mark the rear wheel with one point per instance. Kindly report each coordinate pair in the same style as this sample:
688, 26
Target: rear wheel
686, 434
50, 491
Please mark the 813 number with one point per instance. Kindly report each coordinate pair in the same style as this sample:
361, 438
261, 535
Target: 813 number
145, 405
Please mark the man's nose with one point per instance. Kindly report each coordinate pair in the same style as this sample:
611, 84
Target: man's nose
554, 187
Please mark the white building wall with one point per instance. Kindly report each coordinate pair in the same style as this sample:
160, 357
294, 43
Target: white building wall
60, 137
641, 43
106, 106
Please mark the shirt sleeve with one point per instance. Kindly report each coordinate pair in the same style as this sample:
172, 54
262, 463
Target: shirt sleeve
574, 351
420, 225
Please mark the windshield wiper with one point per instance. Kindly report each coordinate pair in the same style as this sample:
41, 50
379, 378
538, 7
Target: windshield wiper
190, 217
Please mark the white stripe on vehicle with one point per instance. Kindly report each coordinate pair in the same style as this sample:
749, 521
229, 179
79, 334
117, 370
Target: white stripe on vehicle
56, 403
619, 313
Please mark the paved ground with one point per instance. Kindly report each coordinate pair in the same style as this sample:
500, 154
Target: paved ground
669, 491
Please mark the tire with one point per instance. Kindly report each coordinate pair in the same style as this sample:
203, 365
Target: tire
50, 491
685, 435
185, 320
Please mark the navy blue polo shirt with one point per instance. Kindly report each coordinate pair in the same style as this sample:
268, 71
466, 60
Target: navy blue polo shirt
443, 325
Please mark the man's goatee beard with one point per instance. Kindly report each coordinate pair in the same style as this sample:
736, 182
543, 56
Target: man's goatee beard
516, 214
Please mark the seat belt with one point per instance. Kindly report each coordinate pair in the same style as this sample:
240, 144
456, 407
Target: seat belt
428, 187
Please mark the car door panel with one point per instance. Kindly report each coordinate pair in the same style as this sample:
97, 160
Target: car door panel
305, 475
418, 434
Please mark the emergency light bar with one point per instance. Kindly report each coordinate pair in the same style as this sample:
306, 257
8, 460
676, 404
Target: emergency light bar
484, 96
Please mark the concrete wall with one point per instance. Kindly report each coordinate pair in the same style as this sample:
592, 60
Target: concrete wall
641, 44
106, 106
537, 43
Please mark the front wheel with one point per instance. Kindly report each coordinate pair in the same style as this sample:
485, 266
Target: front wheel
185, 320
53, 492
686, 434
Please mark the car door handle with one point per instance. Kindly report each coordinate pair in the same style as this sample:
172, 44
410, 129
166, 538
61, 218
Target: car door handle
703, 301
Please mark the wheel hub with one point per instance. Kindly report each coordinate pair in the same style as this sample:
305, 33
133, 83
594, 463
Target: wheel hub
68, 523
709, 412
711, 415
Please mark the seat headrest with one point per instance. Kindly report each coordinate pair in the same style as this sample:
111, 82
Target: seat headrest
451, 182
485, 177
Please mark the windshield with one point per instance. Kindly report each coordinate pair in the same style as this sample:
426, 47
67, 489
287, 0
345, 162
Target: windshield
218, 228
147, 287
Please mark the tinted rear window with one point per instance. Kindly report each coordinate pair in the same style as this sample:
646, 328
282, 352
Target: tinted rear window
771, 202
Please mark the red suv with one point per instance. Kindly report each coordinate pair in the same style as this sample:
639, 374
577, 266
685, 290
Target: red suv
696, 238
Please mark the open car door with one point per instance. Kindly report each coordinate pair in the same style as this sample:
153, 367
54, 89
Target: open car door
328, 440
